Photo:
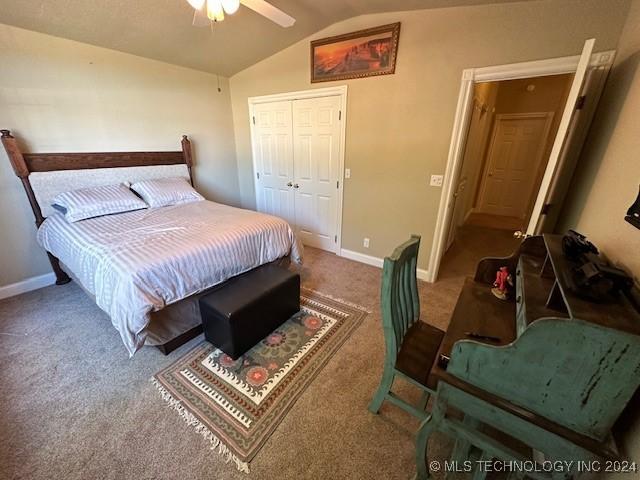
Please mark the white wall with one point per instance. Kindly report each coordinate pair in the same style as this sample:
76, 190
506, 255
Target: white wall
58, 95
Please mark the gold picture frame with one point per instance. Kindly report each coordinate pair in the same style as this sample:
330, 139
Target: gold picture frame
360, 54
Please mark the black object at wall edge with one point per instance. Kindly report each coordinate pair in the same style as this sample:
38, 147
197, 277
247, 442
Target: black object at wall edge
633, 214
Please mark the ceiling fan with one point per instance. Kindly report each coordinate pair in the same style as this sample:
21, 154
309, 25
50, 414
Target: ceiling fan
208, 11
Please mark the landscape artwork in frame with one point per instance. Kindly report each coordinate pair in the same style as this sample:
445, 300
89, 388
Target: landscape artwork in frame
355, 55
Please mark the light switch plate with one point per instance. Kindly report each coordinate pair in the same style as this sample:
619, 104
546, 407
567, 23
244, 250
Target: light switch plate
347, 173
436, 180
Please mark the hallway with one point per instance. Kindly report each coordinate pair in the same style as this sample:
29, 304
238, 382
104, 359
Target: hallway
471, 244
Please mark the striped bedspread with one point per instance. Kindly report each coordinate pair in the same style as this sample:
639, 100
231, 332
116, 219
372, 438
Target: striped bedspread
140, 261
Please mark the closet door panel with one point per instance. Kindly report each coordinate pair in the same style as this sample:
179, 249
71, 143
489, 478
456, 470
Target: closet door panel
316, 147
273, 148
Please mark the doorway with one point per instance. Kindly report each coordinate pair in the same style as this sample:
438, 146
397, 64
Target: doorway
298, 159
510, 135
498, 204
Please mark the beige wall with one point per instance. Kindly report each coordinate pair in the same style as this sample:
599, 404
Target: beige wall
608, 176
549, 93
60, 95
399, 126
608, 173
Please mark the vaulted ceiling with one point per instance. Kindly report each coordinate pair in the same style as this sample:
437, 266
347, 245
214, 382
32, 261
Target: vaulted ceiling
162, 30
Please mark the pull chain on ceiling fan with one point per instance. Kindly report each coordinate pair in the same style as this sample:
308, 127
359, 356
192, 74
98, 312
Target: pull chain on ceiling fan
207, 11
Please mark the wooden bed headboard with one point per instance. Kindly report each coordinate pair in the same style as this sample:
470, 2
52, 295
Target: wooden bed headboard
26, 163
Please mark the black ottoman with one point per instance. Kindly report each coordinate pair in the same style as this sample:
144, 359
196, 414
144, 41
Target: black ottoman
245, 309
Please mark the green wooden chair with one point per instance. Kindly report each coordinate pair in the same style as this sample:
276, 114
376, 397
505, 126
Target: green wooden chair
411, 345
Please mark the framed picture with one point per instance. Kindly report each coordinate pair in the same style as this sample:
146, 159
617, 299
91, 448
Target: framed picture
355, 55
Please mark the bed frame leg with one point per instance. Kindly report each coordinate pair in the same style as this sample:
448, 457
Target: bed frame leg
171, 345
21, 169
61, 276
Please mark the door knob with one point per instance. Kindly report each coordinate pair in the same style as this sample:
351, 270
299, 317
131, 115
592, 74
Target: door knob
519, 234
295, 185
289, 184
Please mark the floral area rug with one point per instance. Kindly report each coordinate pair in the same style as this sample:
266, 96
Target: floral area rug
237, 404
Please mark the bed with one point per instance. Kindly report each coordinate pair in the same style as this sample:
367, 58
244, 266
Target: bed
146, 268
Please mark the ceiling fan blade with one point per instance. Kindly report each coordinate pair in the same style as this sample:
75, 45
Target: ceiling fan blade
269, 11
200, 18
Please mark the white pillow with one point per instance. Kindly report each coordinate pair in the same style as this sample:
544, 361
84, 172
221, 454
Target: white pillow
96, 201
162, 192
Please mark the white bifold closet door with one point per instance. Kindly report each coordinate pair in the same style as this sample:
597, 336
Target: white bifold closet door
297, 148
316, 146
274, 159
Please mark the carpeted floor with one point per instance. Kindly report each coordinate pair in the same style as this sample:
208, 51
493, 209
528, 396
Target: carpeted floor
74, 406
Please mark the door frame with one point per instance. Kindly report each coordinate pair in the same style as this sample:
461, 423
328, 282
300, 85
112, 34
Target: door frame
548, 116
470, 76
339, 91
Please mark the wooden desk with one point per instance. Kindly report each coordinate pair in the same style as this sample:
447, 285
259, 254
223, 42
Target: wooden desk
477, 310
563, 363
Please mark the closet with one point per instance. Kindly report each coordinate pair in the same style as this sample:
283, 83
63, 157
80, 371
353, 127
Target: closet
296, 156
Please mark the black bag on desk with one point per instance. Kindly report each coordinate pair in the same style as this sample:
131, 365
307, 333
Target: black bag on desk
592, 277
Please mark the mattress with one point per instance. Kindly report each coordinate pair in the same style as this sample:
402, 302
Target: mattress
135, 263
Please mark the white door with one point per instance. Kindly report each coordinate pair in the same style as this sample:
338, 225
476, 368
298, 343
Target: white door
457, 218
296, 147
515, 155
562, 140
570, 153
316, 150
273, 151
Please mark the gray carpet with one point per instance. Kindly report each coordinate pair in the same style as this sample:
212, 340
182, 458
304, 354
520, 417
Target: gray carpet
73, 405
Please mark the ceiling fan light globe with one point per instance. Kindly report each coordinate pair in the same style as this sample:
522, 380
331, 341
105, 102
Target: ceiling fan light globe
230, 6
215, 11
197, 4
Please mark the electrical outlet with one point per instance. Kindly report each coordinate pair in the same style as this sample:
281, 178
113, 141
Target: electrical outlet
365, 243
347, 173
436, 180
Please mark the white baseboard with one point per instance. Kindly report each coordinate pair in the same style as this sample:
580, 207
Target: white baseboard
362, 258
421, 273
27, 285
